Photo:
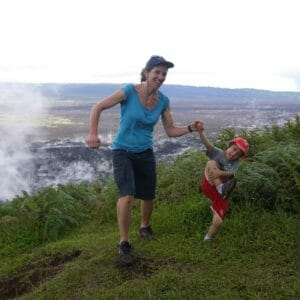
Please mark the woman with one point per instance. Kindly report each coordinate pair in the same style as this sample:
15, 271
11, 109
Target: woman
133, 158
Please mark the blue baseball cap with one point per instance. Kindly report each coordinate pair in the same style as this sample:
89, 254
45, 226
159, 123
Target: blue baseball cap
156, 60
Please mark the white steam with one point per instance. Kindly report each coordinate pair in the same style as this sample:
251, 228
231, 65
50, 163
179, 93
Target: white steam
21, 107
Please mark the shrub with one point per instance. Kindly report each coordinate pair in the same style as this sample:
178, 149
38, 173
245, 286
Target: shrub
270, 176
48, 214
262, 139
180, 179
257, 183
272, 179
284, 159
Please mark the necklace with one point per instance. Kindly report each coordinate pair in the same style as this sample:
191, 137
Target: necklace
148, 98
152, 96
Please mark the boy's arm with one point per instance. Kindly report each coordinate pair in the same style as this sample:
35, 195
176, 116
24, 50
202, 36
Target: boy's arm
214, 173
226, 173
205, 140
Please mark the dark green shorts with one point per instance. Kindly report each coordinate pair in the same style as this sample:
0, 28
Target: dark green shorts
135, 173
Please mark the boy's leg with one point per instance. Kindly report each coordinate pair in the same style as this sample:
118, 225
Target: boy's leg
219, 207
211, 165
214, 227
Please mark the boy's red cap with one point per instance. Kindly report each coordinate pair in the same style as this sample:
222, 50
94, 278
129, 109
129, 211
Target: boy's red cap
242, 144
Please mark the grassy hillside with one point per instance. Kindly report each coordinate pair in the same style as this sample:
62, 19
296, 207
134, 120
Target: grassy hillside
62, 243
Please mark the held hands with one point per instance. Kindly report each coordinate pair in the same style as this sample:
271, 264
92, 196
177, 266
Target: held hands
196, 126
199, 126
93, 141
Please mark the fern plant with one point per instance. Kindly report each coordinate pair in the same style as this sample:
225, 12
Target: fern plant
49, 214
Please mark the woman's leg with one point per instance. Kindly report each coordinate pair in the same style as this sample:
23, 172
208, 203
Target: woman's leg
124, 208
146, 212
145, 230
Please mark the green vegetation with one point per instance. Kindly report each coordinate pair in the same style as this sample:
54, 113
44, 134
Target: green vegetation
61, 243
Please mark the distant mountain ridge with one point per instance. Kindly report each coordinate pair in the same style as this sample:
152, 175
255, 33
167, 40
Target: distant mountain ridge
180, 92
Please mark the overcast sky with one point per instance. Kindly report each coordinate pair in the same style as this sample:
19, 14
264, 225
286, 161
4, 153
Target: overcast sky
219, 43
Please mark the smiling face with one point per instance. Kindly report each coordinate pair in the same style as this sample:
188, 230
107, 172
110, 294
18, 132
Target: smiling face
233, 152
156, 76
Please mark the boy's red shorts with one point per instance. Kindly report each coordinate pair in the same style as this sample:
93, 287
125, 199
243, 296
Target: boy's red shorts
218, 204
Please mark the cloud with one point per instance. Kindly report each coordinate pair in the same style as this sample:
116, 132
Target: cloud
25, 104
215, 36
293, 75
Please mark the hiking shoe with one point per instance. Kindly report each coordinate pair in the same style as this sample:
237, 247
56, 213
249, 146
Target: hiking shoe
147, 233
228, 187
207, 238
125, 253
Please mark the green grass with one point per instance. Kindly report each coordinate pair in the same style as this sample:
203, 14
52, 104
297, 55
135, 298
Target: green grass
253, 257
62, 244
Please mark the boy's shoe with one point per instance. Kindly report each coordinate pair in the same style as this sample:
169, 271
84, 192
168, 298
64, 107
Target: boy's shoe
147, 233
207, 239
125, 253
228, 187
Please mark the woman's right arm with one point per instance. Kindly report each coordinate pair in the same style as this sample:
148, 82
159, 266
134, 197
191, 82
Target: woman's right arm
93, 140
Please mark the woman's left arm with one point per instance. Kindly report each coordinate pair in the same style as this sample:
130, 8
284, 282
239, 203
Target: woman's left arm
171, 129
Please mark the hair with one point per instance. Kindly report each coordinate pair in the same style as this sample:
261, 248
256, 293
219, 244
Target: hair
143, 76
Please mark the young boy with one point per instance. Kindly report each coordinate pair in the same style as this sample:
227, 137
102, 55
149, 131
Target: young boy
218, 180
